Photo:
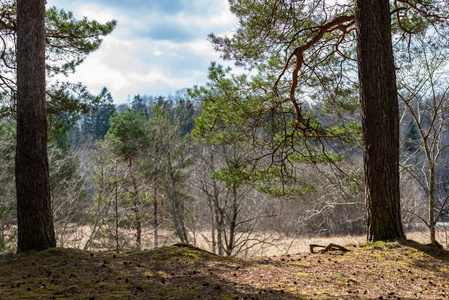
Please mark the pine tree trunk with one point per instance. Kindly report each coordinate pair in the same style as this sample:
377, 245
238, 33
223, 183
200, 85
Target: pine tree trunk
35, 219
380, 119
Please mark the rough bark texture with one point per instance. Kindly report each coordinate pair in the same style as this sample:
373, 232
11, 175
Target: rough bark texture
380, 119
35, 220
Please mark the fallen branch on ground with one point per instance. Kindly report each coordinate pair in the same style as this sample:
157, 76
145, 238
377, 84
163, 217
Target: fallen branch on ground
327, 248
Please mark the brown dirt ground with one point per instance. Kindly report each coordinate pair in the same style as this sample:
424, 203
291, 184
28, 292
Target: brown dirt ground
405, 270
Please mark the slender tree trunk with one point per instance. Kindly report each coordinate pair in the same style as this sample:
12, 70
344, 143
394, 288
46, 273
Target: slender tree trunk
2, 238
219, 225
138, 228
212, 223
99, 217
380, 119
212, 199
177, 215
136, 205
176, 206
34, 213
220, 230
155, 216
233, 222
180, 209
116, 217
432, 220
155, 208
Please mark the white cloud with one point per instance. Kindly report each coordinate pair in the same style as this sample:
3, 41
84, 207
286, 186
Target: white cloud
101, 14
151, 51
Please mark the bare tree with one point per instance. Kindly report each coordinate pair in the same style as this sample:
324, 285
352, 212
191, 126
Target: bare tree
7, 187
211, 191
107, 211
167, 157
68, 191
425, 102
235, 211
126, 136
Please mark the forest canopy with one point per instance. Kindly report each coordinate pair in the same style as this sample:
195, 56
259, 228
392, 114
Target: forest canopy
68, 43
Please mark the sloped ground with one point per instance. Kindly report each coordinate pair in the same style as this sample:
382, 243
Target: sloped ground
388, 270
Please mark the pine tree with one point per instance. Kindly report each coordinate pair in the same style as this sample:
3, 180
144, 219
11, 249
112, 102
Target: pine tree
305, 50
34, 213
127, 138
380, 119
411, 138
96, 123
68, 42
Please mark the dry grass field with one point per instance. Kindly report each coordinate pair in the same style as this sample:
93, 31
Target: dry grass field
274, 243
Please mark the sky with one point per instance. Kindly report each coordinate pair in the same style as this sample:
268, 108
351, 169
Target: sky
157, 48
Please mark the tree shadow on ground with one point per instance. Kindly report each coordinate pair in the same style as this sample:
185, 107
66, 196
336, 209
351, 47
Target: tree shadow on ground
438, 266
175, 272
434, 251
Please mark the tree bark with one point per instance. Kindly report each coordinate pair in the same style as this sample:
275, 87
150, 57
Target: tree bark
380, 119
35, 220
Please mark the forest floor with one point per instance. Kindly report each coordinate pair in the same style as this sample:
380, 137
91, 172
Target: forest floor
405, 270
